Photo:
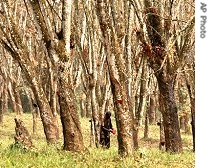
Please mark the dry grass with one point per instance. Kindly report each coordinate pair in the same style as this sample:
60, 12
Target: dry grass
53, 156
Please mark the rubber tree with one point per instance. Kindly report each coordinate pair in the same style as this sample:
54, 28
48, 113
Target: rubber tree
112, 38
15, 44
165, 53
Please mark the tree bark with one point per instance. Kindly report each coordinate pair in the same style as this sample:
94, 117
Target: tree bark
117, 69
49, 121
173, 141
3, 101
12, 97
146, 126
186, 124
192, 102
1, 109
95, 116
165, 68
73, 139
17, 99
28, 69
88, 105
123, 120
35, 114
162, 135
181, 122
82, 108
152, 110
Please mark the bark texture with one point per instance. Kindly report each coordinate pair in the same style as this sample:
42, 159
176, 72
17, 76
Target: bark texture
116, 64
165, 72
73, 140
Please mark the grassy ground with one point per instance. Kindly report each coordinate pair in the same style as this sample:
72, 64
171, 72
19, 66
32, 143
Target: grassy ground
52, 156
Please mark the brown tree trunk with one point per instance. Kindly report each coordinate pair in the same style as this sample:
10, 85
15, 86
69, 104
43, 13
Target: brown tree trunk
142, 96
1, 108
92, 134
162, 135
88, 105
35, 115
146, 126
73, 140
3, 101
123, 121
95, 117
17, 100
94, 107
136, 135
136, 125
192, 102
173, 141
49, 121
152, 110
5, 98
186, 124
193, 121
181, 122
12, 98
165, 71
124, 117
139, 113
82, 108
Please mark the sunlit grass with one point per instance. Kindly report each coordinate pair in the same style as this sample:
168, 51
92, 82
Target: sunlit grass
44, 156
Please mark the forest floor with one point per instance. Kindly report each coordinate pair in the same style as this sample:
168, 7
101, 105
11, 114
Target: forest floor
45, 156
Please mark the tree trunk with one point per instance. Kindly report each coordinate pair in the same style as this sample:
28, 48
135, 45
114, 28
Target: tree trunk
88, 105
73, 140
173, 141
136, 136
139, 113
193, 121
49, 121
123, 121
146, 127
82, 108
192, 102
136, 125
35, 114
117, 69
181, 122
162, 135
17, 100
164, 65
12, 98
186, 124
5, 98
95, 117
142, 96
1, 108
3, 101
92, 134
152, 110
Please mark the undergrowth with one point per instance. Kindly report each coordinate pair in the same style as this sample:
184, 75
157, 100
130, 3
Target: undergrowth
45, 156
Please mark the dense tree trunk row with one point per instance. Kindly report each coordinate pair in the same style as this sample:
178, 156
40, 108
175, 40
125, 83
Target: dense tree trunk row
85, 58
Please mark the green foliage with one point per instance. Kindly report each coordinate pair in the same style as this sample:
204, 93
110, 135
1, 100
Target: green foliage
45, 156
